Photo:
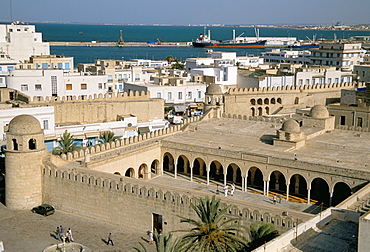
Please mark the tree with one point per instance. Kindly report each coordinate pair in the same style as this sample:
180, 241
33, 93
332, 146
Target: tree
214, 231
169, 58
66, 144
178, 65
163, 243
107, 136
260, 232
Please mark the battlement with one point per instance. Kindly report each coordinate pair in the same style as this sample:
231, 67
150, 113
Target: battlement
93, 98
80, 154
301, 88
122, 193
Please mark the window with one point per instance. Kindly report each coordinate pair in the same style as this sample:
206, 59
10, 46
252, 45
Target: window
359, 122
44, 65
169, 96
307, 81
24, 87
137, 77
68, 86
45, 124
180, 95
100, 85
67, 66
190, 95
342, 120
83, 86
38, 87
336, 80
300, 82
199, 94
110, 78
329, 80
159, 95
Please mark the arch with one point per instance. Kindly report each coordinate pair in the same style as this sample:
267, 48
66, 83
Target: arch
273, 101
320, 191
341, 191
259, 111
255, 178
266, 101
154, 167
32, 144
143, 172
267, 110
277, 181
199, 167
130, 172
259, 101
279, 100
15, 144
117, 173
253, 112
216, 171
253, 101
234, 174
298, 186
183, 164
168, 162
296, 100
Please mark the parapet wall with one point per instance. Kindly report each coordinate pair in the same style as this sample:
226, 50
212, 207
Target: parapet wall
96, 97
99, 148
307, 88
129, 202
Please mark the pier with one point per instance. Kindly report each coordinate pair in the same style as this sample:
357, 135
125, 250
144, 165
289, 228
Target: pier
121, 44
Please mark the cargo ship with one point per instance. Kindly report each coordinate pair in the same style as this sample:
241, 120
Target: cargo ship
204, 40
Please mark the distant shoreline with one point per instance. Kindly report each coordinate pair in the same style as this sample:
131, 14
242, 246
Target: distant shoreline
352, 27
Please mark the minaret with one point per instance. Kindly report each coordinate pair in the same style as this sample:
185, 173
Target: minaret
214, 101
25, 150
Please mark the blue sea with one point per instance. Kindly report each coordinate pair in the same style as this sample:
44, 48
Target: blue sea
141, 33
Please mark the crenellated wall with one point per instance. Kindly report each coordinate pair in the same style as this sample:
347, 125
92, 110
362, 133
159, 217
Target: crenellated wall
129, 202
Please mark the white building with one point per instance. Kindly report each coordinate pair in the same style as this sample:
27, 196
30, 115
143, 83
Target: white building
172, 94
287, 56
45, 115
314, 75
20, 41
258, 80
340, 55
50, 82
225, 76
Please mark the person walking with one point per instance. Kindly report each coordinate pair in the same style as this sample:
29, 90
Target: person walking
70, 235
151, 237
226, 190
232, 189
110, 239
61, 230
57, 233
274, 199
280, 198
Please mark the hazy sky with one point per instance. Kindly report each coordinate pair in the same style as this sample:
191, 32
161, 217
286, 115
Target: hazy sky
190, 11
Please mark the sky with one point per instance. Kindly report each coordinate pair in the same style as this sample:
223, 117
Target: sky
193, 12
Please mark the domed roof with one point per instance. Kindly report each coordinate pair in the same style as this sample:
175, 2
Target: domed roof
319, 111
213, 89
291, 125
24, 124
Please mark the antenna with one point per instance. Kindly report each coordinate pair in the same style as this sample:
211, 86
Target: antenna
11, 12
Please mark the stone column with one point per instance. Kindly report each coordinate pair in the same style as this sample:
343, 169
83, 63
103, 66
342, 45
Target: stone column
331, 198
287, 192
309, 195
208, 176
191, 174
267, 187
175, 165
246, 184
225, 178
242, 184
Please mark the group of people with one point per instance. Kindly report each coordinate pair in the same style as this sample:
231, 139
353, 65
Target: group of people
226, 190
151, 235
60, 234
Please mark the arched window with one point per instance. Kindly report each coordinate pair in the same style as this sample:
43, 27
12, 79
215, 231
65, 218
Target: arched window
32, 144
253, 101
266, 101
279, 100
253, 111
15, 144
209, 100
217, 100
259, 101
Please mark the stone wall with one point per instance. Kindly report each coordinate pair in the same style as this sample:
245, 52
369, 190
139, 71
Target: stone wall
129, 202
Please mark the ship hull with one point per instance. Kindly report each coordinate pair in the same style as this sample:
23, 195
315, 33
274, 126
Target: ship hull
261, 44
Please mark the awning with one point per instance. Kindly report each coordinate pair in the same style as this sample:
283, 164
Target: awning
179, 108
143, 130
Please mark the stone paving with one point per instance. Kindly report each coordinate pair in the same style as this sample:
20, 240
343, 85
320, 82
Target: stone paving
22, 230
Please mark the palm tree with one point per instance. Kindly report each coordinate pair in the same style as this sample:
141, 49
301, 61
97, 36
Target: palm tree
260, 232
163, 243
66, 144
214, 231
107, 136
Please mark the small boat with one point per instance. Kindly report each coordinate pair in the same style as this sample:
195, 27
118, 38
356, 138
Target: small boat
204, 40
80, 33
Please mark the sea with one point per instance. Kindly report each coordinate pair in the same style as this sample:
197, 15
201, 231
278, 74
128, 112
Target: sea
166, 33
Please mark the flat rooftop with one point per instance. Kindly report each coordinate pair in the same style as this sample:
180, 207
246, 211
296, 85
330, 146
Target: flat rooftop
337, 148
